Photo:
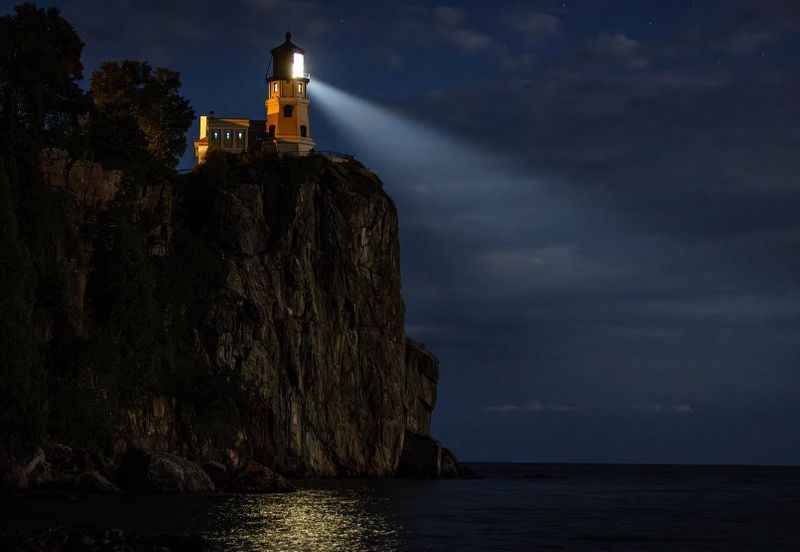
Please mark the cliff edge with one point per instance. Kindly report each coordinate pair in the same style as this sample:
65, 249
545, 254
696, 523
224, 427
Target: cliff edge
250, 309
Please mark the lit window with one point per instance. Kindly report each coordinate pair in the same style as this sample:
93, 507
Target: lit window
298, 67
275, 88
299, 88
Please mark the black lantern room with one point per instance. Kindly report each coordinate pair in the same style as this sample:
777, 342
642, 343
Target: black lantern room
288, 62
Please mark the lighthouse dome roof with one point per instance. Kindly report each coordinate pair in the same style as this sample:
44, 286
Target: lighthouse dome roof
288, 46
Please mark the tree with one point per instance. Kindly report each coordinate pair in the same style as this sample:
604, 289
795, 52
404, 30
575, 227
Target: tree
40, 66
133, 90
22, 376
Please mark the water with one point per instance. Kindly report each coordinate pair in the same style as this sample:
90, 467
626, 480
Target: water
516, 507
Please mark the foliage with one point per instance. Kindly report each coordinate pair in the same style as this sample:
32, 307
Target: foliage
139, 99
55, 380
122, 289
22, 378
40, 66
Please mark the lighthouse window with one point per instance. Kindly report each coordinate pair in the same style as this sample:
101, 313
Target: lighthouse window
303, 131
288, 111
298, 67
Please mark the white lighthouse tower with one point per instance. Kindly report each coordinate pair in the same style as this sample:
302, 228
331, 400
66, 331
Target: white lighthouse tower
288, 122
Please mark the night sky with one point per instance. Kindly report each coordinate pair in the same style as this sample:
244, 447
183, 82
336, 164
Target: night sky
600, 225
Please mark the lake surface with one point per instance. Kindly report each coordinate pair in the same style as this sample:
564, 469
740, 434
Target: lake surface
515, 507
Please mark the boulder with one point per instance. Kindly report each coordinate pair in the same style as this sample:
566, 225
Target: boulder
421, 456
90, 540
95, 482
58, 454
450, 467
425, 457
68, 463
149, 471
253, 477
27, 469
421, 379
218, 473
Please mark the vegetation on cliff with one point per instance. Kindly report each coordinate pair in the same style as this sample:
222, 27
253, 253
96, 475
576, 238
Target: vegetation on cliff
54, 379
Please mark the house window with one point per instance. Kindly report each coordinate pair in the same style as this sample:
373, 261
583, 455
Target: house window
288, 110
272, 130
303, 131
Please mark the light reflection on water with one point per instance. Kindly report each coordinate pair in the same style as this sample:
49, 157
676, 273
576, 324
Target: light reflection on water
320, 520
517, 508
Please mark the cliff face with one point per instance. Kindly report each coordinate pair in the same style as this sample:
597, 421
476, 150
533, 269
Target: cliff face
297, 327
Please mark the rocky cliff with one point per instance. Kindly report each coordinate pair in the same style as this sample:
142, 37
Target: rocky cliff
251, 308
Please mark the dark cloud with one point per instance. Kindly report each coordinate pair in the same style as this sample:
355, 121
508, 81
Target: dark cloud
535, 407
449, 16
450, 24
617, 48
534, 25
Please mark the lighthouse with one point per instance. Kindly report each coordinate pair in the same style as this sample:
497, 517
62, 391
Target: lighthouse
287, 128
287, 103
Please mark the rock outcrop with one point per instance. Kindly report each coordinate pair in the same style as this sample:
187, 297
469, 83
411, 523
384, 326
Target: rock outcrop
87, 539
254, 478
425, 457
25, 469
421, 379
294, 343
142, 471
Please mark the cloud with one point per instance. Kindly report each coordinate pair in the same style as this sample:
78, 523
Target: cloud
534, 407
535, 25
658, 408
284, 6
449, 24
449, 16
555, 266
747, 42
618, 48
733, 307
264, 5
537, 407
161, 31
467, 39
646, 333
